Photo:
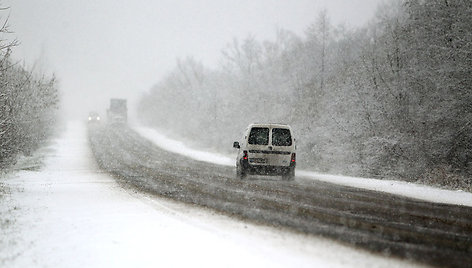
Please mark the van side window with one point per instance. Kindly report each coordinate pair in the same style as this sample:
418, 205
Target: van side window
281, 137
259, 136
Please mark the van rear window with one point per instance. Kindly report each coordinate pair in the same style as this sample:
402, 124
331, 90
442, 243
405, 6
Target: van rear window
281, 137
259, 136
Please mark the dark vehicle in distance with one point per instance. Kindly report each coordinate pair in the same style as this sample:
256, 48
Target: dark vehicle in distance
93, 117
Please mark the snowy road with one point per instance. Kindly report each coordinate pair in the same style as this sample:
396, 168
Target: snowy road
402, 188
69, 214
433, 233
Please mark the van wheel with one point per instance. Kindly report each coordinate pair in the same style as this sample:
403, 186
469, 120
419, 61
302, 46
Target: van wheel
289, 175
240, 173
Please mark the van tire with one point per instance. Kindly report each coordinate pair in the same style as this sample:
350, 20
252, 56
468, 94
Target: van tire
240, 173
289, 175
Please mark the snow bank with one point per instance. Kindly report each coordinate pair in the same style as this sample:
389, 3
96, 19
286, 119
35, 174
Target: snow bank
179, 147
412, 190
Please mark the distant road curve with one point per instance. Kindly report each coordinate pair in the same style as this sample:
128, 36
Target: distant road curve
435, 234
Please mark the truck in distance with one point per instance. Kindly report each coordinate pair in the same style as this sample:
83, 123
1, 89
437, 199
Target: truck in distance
117, 113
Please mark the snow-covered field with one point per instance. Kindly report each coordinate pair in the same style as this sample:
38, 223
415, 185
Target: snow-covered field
69, 214
422, 192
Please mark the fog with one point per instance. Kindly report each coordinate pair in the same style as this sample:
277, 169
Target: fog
112, 48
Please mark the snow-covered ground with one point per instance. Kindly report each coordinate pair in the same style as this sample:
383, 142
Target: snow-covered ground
181, 148
69, 214
418, 191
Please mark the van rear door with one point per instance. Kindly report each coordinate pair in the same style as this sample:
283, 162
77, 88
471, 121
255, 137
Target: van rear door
270, 146
281, 146
258, 144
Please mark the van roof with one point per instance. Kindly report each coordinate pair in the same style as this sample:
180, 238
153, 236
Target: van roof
269, 125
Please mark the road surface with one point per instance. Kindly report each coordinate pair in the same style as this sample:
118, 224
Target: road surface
430, 233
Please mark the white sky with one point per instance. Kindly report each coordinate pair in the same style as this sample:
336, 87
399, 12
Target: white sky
120, 48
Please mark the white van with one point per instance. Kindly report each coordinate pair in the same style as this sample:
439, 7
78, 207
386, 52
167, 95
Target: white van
266, 149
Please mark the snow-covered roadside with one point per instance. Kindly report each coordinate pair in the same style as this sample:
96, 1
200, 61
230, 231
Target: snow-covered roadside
179, 147
69, 214
413, 190
418, 191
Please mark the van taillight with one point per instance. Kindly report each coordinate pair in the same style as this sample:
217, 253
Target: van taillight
245, 155
293, 158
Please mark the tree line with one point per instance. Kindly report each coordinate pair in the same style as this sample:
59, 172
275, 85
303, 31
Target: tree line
390, 99
28, 105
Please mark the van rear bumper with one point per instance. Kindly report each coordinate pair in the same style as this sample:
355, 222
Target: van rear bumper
266, 170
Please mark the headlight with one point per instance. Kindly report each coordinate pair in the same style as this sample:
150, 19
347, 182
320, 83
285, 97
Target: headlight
90, 118
98, 117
